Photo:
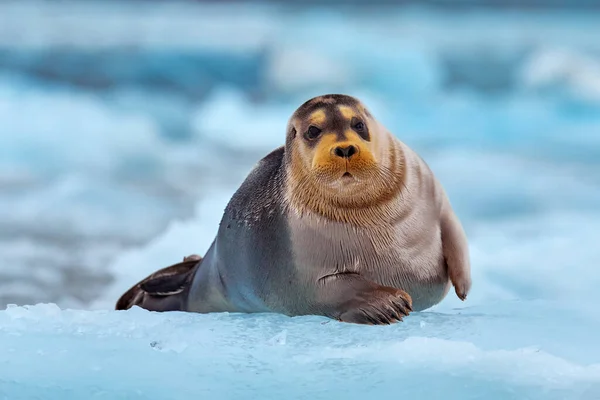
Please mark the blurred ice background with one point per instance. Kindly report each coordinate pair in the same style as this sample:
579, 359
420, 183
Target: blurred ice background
125, 127
119, 118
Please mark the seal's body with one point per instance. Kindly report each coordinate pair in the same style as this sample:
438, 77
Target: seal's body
344, 221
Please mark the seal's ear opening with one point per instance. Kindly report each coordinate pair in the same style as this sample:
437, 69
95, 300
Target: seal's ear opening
293, 132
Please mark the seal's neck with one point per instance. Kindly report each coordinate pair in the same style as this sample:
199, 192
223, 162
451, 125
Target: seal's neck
375, 202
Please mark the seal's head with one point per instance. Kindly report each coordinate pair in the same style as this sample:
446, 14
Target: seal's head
338, 156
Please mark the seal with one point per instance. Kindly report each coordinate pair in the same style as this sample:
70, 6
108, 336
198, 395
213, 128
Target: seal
343, 221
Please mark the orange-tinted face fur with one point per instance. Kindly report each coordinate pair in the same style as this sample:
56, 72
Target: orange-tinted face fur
336, 144
337, 152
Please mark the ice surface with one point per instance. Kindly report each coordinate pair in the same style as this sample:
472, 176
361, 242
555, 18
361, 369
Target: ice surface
105, 180
499, 352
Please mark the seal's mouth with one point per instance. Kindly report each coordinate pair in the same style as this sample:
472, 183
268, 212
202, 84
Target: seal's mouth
347, 179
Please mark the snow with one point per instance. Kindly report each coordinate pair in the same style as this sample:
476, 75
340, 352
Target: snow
105, 179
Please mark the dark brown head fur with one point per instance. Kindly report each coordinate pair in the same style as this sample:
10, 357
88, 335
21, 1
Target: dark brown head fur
329, 104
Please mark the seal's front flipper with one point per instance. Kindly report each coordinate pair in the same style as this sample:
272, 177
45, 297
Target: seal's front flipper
348, 297
164, 290
456, 252
382, 306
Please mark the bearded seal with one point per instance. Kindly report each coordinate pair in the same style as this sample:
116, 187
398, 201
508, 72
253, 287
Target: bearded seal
344, 221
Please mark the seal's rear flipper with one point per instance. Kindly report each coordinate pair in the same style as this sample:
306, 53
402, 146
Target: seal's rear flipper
164, 290
166, 285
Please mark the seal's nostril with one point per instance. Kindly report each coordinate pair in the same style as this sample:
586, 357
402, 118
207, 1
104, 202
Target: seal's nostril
345, 152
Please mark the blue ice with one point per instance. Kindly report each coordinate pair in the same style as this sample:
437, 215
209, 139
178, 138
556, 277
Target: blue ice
122, 179
508, 350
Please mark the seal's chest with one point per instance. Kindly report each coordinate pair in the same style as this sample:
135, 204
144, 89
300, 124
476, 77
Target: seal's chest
326, 248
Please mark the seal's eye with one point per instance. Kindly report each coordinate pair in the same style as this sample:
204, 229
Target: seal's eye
312, 133
360, 128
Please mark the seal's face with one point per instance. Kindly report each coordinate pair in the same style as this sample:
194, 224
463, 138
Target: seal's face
340, 162
336, 139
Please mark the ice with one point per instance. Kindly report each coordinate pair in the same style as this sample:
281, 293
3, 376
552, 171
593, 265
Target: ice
78, 177
289, 72
113, 170
41, 114
256, 127
157, 25
500, 354
577, 74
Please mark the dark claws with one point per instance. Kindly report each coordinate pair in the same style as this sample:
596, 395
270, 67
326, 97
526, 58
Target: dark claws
378, 306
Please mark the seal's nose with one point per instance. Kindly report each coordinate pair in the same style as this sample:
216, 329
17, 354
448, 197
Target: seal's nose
345, 152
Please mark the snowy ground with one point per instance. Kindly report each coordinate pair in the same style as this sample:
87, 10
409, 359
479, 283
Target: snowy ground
115, 162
